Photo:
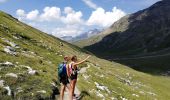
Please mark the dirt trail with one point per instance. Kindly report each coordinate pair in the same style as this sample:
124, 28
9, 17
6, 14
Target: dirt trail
77, 92
66, 94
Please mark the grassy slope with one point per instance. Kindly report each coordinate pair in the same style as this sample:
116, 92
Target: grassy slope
47, 51
46, 47
114, 75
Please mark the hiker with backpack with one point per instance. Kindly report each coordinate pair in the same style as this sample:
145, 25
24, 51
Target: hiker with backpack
72, 73
63, 77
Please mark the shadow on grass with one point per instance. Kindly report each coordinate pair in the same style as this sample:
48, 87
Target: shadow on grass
83, 94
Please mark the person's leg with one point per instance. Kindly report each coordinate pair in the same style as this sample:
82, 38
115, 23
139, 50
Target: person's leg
62, 91
71, 89
73, 86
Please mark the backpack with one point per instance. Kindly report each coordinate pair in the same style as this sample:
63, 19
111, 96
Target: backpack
62, 70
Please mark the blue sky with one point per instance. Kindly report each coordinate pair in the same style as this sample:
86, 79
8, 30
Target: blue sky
71, 17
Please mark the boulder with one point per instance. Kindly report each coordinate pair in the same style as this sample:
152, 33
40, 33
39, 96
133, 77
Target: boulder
11, 75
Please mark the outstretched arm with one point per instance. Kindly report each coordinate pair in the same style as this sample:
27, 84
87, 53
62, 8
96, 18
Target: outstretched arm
77, 63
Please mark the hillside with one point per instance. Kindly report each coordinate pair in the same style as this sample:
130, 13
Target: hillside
28, 66
142, 32
29, 56
143, 36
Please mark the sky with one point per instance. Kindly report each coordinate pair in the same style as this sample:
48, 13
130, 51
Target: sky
71, 17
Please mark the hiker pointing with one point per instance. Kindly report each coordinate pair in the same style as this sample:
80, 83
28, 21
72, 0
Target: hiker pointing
73, 73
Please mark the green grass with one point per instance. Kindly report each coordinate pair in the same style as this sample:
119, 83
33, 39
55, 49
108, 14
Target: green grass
155, 84
46, 57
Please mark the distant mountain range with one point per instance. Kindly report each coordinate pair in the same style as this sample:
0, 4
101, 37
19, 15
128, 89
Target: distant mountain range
139, 39
82, 36
143, 32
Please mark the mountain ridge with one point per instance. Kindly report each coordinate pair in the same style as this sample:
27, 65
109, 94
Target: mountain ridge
28, 69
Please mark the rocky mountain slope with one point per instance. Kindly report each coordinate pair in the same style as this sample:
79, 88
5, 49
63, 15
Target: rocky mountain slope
28, 67
144, 33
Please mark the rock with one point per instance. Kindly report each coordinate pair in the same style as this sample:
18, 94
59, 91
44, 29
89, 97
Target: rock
7, 64
86, 76
167, 73
113, 98
53, 84
42, 91
2, 83
32, 72
99, 94
8, 89
11, 75
102, 87
151, 93
124, 80
12, 44
141, 92
10, 50
135, 95
18, 90
123, 98
60, 55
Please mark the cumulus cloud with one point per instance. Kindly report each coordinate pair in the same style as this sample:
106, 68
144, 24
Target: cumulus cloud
72, 17
103, 18
68, 30
20, 13
68, 10
33, 15
68, 22
50, 14
90, 4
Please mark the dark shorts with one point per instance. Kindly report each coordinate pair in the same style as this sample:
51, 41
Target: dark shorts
64, 80
73, 77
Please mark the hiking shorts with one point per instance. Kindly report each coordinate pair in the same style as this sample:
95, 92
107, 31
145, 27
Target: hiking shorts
64, 80
73, 77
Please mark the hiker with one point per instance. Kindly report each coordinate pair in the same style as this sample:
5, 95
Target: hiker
63, 77
73, 73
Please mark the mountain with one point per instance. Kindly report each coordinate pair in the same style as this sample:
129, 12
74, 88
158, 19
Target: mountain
82, 36
28, 69
67, 38
143, 36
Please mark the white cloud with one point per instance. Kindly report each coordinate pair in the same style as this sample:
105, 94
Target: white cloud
103, 18
50, 14
20, 13
33, 15
67, 22
68, 30
72, 17
68, 10
90, 4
